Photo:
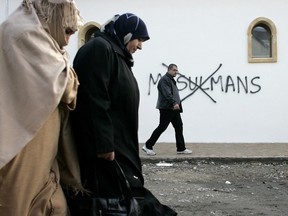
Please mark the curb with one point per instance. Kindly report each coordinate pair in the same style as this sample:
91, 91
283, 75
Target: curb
279, 159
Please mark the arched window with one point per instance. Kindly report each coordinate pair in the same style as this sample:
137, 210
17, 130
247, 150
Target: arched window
262, 41
86, 32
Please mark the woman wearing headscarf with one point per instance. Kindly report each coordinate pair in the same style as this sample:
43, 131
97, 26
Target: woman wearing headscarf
38, 88
105, 121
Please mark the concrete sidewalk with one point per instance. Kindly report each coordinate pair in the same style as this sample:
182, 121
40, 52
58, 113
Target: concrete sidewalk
220, 152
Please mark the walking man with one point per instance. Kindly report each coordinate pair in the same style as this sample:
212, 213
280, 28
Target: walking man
170, 107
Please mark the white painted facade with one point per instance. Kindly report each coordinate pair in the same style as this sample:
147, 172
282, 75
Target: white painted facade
199, 35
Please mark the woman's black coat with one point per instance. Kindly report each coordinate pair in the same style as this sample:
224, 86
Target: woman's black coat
106, 119
106, 115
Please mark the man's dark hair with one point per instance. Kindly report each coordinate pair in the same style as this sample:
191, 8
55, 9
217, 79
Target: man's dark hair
171, 66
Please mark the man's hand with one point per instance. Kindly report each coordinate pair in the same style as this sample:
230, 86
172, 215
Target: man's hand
110, 156
176, 107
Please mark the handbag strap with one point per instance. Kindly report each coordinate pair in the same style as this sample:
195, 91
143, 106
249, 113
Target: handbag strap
124, 179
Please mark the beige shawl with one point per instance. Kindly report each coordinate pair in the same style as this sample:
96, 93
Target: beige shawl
33, 77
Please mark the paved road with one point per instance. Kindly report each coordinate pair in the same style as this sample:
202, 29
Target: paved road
222, 189
220, 179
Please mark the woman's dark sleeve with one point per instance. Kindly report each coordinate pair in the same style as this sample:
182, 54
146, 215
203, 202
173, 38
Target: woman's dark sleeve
94, 67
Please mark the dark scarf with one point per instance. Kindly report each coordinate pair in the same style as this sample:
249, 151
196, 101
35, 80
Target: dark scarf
110, 31
125, 28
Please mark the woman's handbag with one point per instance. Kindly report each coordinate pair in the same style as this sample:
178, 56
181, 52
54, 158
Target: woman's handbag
85, 205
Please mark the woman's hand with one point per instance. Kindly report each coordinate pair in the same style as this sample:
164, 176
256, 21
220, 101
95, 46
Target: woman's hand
110, 156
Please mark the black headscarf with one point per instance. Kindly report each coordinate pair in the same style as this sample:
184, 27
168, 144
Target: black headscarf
124, 28
129, 27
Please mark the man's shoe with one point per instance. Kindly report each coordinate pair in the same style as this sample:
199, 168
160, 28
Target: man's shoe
186, 151
148, 151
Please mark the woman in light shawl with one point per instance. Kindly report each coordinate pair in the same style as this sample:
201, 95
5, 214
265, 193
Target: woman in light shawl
37, 89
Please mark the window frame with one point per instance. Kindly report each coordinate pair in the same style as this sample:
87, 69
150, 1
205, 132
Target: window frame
269, 24
82, 35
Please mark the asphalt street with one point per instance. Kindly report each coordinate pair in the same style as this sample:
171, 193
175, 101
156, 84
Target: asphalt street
220, 179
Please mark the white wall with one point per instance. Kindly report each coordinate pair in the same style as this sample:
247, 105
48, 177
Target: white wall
198, 35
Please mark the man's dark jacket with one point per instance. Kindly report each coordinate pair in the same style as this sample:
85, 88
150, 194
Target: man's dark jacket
168, 94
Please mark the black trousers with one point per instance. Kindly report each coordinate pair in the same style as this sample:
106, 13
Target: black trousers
167, 117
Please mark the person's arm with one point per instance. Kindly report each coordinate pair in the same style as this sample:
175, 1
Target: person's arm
68, 99
94, 67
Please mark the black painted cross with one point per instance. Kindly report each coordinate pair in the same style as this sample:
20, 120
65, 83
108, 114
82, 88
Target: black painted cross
196, 85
